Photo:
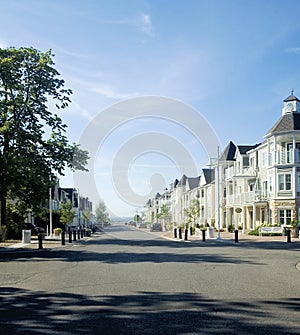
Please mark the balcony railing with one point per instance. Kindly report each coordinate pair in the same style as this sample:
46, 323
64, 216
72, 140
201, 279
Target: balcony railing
233, 172
245, 198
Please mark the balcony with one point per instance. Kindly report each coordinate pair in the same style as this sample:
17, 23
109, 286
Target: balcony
284, 157
243, 172
245, 198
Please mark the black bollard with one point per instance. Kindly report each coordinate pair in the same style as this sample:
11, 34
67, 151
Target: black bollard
40, 238
70, 237
288, 236
81, 233
74, 235
180, 233
84, 234
175, 232
203, 235
63, 238
78, 234
191, 231
236, 236
185, 234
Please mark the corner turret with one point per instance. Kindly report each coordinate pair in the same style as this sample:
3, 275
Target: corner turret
291, 104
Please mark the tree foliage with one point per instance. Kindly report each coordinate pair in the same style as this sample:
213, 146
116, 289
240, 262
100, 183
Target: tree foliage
101, 212
87, 216
33, 141
67, 213
164, 213
193, 212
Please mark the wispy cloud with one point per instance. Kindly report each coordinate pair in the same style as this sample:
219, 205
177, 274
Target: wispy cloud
142, 22
293, 50
111, 93
146, 24
117, 22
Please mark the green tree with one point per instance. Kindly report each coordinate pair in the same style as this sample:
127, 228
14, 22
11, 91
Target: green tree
87, 215
101, 212
137, 218
67, 213
193, 212
33, 142
164, 214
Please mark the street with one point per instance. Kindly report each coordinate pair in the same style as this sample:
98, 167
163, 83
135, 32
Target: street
131, 281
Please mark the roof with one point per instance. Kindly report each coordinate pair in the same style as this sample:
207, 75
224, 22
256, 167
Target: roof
193, 182
176, 181
228, 153
291, 98
243, 149
209, 175
287, 122
157, 196
182, 181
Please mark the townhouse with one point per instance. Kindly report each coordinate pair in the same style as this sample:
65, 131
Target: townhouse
248, 185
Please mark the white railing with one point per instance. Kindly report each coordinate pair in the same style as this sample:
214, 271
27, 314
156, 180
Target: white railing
245, 198
232, 172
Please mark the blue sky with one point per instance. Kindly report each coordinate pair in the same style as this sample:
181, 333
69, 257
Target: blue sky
233, 61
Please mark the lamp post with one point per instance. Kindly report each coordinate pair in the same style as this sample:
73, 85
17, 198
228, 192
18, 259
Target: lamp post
218, 194
50, 212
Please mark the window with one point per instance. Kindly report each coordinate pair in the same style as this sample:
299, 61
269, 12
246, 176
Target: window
285, 216
271, 183
297, 158
284, 182
264, 158
265, 188
202, 193
298, 183
289, 152
270, 216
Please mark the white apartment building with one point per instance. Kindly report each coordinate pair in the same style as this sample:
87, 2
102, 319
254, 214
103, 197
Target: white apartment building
257, 183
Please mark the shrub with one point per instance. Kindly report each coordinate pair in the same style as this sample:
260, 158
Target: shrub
254, 232
57, 231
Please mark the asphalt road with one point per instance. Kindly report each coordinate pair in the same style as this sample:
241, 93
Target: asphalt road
129, 281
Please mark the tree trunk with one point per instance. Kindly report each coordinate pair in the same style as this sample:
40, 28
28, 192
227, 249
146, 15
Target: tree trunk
2, 211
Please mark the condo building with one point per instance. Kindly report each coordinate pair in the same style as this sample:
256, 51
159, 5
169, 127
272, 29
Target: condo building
248, 185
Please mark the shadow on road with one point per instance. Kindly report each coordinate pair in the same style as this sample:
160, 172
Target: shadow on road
27, 312
97, 252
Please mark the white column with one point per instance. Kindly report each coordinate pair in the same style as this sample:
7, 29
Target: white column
254, 217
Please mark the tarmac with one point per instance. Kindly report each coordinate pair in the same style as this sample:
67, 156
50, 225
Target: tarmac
56, 242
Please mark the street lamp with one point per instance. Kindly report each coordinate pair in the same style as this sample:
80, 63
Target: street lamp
218, 194
50, 212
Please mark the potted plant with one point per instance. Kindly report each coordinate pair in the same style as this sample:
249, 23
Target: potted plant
294, 230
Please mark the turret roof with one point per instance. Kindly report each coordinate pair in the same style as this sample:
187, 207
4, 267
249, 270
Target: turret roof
291, 97
288, 122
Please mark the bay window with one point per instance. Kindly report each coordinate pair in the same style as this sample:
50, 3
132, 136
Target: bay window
284, 182
284, 216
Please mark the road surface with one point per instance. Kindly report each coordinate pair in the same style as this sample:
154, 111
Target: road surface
130, 281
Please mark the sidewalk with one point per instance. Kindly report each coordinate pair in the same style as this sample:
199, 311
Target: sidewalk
48, 243
55, 242
227, 237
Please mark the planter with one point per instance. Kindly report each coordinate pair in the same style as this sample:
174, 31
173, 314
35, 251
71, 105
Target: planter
57, 231
294, 232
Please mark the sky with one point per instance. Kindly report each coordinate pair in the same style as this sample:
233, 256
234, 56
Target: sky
231, 61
